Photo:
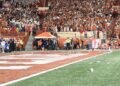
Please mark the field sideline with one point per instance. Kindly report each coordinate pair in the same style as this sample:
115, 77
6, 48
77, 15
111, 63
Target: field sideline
100, 71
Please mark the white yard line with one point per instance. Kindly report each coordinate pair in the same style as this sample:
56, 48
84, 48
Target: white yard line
33, 75
38, 60
2, 62
22, 58
26, 63
14, 67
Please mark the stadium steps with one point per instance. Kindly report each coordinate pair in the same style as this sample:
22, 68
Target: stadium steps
28, 46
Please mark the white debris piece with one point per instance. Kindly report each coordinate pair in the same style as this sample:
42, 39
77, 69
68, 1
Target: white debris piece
108, 62
91, 69
98, 61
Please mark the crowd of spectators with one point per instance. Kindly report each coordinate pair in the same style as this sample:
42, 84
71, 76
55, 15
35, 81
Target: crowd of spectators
63, 16
80, 15
84, 15
10, 45
117, 28
18, 16
45, 44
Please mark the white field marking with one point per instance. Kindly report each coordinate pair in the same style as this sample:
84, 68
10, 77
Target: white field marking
49, 55
22, 58
1, 62
35, 55
58, 55
40, 73
25, 55
22, 55
14, 67
26, 63
45, 61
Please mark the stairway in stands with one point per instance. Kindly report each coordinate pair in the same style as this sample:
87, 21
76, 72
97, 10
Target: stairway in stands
28, 46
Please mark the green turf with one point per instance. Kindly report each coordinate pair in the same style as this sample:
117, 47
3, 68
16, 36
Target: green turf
106, 73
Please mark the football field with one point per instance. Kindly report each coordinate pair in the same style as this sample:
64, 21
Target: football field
103, 70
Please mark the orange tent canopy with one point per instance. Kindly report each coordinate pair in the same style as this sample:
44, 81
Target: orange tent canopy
45, 35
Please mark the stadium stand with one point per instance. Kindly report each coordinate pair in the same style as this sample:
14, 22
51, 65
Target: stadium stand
98, 17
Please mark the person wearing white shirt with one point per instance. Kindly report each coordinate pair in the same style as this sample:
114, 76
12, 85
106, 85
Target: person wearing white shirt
3, 45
